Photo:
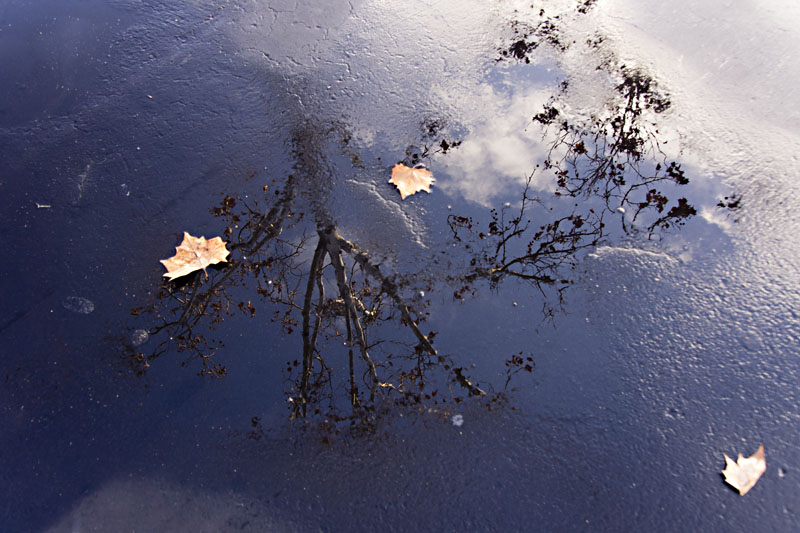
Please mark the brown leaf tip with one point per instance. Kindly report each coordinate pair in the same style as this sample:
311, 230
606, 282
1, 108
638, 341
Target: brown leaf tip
195, 253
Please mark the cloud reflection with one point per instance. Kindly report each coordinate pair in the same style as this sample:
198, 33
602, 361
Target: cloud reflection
501, 147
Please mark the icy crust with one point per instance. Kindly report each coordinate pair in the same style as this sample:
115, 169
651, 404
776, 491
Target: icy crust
728, 94
727, 108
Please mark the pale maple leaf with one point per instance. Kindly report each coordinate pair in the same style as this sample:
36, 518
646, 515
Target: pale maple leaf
193, 254
744, 473
411, 180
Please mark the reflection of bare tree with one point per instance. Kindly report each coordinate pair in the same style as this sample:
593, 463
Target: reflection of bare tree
364, 304
548, 247
611, 161
344, 289
616, 155
333, 245
342, 295
526, 37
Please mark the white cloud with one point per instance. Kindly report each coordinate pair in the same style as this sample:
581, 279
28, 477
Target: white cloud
501, 146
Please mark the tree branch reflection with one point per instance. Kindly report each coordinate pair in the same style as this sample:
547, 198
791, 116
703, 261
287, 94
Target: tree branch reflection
607, 163
341, 295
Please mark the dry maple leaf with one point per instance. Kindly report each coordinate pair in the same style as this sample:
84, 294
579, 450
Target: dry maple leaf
193, 254
744, 473
411, 180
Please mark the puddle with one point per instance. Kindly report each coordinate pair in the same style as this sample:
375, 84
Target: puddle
594, 302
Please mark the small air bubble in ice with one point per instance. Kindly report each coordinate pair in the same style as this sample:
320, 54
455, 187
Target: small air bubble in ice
457, 420
139, 337
77, 304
